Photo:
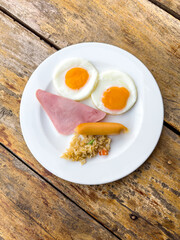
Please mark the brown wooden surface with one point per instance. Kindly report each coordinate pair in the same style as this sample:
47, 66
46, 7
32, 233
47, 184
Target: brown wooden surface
150, 193
140, 27
31, 209
16, 224
173, 5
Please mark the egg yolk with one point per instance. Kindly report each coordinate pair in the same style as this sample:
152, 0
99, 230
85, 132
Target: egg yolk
76, 78
115, 98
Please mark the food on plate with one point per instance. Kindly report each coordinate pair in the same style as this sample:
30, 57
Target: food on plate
75, 78
65, 113
100, 128
91, 139
115, 93
83, 147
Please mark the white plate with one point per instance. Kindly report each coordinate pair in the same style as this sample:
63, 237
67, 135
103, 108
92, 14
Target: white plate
128, 151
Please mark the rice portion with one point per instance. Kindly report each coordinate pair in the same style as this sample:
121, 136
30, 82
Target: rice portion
82, 147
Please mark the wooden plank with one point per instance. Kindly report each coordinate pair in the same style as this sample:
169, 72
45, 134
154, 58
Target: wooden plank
32, 209
139, 27
151, 193
173, 5
16, 224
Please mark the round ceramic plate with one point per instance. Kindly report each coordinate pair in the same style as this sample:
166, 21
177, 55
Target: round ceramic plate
128, 151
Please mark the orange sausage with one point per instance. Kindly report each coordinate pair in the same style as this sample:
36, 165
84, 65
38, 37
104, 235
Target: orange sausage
100, 128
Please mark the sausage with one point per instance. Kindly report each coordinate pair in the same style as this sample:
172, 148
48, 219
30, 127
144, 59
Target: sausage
100, 128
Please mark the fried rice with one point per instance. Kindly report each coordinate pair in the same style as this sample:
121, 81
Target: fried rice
83, 147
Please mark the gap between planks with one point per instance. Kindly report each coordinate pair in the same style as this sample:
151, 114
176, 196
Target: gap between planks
165, 8
53, 45
133, 213
49, 42
48, 182
171, 128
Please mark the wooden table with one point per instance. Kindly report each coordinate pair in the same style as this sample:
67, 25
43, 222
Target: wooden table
34, 204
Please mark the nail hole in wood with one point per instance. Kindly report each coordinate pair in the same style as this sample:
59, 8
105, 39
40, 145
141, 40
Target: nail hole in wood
133, 217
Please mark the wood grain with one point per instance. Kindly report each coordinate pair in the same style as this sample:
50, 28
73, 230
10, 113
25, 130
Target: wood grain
173, 5
32, 209
16, 224
150, 194
139, 27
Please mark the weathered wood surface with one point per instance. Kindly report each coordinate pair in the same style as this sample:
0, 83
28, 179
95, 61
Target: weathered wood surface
140, 27
150, 193
173, 5
31, 209
16, 224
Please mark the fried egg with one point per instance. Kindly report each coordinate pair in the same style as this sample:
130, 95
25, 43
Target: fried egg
75, 78
115, 93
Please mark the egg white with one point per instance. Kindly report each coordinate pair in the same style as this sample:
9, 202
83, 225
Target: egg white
114, 78
59, 78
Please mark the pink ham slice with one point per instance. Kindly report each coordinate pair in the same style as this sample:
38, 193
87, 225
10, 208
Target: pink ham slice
67, 114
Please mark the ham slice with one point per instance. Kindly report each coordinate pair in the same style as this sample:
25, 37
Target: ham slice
67, 114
